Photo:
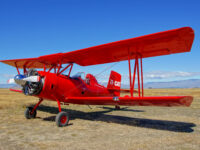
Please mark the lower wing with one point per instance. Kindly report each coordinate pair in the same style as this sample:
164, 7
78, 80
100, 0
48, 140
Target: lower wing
133, 101
16, 90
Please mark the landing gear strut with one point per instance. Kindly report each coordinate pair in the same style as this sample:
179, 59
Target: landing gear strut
28, 114
62, 118
31, 112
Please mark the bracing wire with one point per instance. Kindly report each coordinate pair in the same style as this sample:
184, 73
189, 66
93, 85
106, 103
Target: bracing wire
107, 68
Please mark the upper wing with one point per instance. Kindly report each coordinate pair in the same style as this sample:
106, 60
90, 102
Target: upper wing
28, 63
157, 44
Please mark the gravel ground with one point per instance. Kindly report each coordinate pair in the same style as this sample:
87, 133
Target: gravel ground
102, 127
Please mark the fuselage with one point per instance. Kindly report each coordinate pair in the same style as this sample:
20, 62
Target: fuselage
59, 87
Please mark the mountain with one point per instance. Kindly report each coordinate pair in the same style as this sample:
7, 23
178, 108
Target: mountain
191, 83
7, 85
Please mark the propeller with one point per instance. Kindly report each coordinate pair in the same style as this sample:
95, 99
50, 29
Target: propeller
32, 79
31, 82
21, 79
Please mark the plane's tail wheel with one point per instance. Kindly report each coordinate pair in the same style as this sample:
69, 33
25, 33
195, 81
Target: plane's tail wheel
62, 119
117, 107
28, 114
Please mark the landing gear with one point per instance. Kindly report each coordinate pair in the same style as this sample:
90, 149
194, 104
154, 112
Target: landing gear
62, 119
117, 107
29, 114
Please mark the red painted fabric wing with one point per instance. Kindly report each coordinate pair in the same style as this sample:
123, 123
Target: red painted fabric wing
157, 44
133, 101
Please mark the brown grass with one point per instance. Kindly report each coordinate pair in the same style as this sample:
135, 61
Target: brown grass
140, 128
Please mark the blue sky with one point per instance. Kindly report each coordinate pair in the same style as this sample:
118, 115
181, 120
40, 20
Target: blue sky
30, 28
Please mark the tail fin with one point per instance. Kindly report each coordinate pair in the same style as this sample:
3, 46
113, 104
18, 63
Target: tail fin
114, 83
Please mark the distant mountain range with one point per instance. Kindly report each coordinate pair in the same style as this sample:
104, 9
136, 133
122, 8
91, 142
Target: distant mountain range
191, 83
7, 85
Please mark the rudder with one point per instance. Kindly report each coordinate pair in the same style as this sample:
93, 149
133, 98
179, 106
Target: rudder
114, 83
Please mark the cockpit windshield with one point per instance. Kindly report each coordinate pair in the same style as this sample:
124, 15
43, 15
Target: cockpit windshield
79, 75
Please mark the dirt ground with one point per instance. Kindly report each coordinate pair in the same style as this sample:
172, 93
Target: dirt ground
132, 128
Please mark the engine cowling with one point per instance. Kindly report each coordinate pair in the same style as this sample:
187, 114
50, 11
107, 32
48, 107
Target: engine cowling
33, 83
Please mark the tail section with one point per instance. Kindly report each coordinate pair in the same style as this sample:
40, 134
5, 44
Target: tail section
114, 83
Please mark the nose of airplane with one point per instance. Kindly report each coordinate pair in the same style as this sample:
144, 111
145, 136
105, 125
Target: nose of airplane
31, 82
19, 79
22, 79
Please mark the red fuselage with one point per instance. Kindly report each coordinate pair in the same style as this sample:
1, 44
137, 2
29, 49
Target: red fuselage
59, 87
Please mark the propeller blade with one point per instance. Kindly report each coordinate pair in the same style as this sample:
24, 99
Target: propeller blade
11, 81
32, 79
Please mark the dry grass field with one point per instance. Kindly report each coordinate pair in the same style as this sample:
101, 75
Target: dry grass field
139, 128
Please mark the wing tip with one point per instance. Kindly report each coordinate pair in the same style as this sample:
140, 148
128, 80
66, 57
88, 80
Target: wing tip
187, 100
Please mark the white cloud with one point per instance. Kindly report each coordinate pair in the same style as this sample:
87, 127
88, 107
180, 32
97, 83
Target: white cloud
169, 75
4, 78
154, 75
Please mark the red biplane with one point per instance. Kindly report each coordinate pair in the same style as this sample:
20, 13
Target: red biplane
51, 84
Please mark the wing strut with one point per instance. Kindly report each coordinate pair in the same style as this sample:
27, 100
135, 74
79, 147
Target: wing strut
129, 64
139, 75
142, 77
70, 65
17, 68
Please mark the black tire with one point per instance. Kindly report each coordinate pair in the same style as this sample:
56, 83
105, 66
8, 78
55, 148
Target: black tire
117, 107
62, 119
28, 114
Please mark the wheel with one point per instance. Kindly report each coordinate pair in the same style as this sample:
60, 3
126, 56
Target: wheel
28, 114
117, 107
62, 119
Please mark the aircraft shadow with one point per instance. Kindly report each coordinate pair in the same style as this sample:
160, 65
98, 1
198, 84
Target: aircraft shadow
122, 109
139, 122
